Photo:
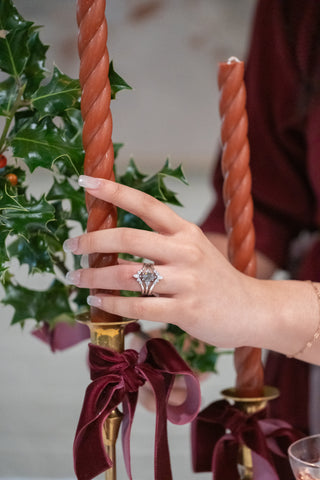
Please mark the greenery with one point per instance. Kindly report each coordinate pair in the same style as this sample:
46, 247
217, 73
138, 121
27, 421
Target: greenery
42, 129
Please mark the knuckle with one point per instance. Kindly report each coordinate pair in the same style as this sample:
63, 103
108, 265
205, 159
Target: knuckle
125, 239
116, 191
86, 243
137, 309
87, 278
193, 253
191, 284
195, 231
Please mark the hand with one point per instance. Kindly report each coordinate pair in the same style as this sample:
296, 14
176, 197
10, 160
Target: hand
200, 291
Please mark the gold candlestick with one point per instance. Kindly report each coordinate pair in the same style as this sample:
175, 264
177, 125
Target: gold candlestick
109, 335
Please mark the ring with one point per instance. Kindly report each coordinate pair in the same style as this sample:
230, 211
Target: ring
147, 277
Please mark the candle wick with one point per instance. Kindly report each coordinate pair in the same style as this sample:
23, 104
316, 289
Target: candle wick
233, 60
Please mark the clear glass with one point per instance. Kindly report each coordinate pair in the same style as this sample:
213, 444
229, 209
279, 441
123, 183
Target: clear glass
304, 456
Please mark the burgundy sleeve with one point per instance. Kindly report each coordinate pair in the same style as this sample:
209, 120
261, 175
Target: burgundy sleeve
280, 65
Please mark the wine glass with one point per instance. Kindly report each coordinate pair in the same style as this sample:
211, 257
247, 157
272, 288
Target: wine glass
304, 456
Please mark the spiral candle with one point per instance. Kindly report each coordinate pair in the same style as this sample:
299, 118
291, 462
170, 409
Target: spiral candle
97, 128
239, 205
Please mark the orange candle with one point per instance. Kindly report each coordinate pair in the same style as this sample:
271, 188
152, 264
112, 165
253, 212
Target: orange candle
97, 128
239, 205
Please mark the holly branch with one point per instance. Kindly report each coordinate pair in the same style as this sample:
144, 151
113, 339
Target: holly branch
42, 130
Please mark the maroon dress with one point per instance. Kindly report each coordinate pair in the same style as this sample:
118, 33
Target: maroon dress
283, 104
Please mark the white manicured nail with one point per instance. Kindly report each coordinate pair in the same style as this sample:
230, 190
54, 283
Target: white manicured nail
84, 262
94, 301
71, 244
89, 182
73, 278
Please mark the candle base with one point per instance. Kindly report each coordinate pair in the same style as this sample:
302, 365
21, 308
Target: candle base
249, 406
109, 335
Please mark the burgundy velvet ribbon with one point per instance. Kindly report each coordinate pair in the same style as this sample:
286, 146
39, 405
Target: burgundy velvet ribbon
220, 429
116, 377
62, 335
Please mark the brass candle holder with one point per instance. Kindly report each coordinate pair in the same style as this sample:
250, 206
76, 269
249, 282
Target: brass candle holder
109, 335
250, 406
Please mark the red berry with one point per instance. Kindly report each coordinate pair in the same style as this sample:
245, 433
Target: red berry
3, 161
12, 178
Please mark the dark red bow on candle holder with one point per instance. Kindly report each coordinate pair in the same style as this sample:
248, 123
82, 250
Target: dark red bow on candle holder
117, 377
220, 429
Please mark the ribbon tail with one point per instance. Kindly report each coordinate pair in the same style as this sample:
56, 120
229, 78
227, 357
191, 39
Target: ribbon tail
225, 459
162, 467
129, 406
90, 457
262, 468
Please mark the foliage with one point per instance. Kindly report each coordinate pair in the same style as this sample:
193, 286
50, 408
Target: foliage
199, 355
43, 132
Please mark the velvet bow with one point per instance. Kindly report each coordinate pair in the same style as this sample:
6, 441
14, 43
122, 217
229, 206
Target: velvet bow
116, 377
220, 429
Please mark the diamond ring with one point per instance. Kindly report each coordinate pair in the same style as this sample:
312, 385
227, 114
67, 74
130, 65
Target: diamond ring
147, 277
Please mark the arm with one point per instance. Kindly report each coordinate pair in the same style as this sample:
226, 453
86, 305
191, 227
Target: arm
200, 291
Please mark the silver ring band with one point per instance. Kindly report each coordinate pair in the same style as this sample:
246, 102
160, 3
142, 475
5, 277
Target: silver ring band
147, 277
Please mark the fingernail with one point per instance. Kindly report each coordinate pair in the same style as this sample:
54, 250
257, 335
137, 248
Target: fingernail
94, 301
84, 262
71, 244
89, 182
73, 278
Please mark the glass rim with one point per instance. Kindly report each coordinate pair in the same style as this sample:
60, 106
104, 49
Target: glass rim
308, 464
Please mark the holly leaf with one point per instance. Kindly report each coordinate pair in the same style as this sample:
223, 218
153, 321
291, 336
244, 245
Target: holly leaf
10, 18
4, 258
81, 298
132, 176
40, 144
58, 227
41, 306
154, 186
32, 252
177, 173
22, 216
73, 125
34, 70
116, 149
14, 50
62, 191
59, 94
8, 95
14, 30
116, 82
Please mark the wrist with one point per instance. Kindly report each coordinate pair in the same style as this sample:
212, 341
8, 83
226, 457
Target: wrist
285, 314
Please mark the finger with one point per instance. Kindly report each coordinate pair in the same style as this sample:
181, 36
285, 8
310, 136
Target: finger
120, 277
136, 242
155, 309
154, 213
122, 261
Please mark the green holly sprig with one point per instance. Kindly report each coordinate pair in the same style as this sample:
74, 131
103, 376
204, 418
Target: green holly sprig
43, 129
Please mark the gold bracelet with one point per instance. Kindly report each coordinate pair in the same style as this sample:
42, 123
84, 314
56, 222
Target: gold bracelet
316, 334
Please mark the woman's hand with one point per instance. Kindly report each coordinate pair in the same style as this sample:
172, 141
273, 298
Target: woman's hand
200, 291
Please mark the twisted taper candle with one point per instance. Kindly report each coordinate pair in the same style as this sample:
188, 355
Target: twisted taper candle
97, 128
239, 205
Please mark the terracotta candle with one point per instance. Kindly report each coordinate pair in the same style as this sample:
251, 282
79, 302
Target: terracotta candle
239, 205
97, 129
